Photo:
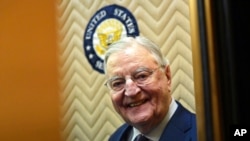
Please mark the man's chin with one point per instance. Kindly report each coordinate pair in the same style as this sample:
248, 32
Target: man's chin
140, 120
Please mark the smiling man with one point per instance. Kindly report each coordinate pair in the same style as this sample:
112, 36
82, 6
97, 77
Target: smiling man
139, 80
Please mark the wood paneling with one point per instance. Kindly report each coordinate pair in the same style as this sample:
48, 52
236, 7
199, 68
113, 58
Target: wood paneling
29, 99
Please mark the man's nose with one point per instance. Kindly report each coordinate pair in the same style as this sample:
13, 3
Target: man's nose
131, 88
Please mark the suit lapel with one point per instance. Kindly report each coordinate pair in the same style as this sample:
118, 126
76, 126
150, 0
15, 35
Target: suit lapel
178, 125
124, 133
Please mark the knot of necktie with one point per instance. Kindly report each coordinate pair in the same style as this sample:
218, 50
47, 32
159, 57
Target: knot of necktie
141, 138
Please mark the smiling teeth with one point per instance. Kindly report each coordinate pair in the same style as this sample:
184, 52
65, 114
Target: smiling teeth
136, 104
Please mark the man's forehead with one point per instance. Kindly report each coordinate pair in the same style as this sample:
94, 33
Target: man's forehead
129, 56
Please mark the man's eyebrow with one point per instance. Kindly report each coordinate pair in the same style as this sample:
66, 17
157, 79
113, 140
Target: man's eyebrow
115, 77
140, 69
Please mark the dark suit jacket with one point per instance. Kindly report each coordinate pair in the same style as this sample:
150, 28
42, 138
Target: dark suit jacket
181, 127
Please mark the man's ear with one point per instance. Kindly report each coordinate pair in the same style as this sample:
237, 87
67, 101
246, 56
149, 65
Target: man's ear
168, 74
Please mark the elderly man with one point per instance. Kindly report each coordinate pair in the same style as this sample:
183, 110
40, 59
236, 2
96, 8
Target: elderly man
139, 79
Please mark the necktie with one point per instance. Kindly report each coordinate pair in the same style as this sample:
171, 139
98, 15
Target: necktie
141, 138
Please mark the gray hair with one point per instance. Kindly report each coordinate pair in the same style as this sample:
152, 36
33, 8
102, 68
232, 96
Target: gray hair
129, 41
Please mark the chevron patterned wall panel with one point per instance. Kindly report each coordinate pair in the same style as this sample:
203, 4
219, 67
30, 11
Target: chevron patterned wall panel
87, 112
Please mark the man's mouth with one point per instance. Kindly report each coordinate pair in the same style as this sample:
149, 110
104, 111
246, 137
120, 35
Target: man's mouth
131, 105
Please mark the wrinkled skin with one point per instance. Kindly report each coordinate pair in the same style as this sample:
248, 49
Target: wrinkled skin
143, 107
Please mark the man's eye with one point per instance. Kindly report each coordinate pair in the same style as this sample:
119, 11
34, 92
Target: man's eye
117, 83
142, 76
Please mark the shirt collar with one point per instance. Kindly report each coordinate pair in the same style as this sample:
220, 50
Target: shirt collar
155, 134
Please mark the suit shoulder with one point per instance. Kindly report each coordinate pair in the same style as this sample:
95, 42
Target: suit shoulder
120, 133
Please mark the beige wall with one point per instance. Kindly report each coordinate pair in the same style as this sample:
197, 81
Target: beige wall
87, 112
29, 99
